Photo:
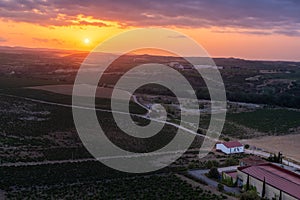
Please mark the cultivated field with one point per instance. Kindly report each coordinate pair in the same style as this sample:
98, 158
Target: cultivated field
85, 90
272, 121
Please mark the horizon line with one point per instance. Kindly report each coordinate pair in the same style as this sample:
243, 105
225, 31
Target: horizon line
191, 56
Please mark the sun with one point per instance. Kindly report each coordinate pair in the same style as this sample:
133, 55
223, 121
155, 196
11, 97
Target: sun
86, 41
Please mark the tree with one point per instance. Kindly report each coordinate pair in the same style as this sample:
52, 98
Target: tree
220, 187
212, 163
276, 159
231, 161
248, 183
213, 173
263, 192
280, 195
250, 195
279, 158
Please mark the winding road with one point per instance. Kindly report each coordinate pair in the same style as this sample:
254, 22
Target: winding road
102, 110
255, 152
110, 111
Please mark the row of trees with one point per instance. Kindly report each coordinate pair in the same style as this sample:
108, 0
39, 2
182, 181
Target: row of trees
251, 192
276, 158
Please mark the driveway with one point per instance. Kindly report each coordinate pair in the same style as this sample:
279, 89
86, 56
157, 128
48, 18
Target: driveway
2, 194
200, 174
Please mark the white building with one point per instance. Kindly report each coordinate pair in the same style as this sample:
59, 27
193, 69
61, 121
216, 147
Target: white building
230, 147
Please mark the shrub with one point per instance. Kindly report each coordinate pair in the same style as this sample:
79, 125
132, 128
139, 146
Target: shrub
250, 195
211, 163
213, 173
231, 161
220, 187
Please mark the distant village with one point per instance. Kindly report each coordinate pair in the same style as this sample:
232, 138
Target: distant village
178, 65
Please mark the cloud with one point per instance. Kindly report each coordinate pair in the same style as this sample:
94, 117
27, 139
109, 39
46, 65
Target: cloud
248, 32
3, 39
43, 40
294, 33
280, 17
176, 36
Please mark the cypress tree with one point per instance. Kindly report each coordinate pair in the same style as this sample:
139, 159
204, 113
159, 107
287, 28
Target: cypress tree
280, 195
248, 183
263, 193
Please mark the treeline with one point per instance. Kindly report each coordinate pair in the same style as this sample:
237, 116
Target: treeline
283, 100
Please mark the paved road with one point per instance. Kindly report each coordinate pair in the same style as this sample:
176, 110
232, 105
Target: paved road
2, 194
200, 174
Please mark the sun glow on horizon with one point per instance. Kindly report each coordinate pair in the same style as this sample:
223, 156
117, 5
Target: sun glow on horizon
87, 41
86, 36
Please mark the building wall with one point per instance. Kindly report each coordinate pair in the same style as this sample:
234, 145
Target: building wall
226, 176
237, 150
271, 192
223, 148
226, 150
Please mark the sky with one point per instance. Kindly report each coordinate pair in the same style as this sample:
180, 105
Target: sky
256, 29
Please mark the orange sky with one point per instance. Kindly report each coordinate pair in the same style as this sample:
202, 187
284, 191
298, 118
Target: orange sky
83, 32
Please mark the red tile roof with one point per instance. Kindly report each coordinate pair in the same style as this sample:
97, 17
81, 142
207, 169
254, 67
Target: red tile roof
276, 176
252, 160
232, 144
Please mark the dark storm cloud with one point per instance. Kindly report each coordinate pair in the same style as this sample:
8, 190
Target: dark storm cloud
280, 16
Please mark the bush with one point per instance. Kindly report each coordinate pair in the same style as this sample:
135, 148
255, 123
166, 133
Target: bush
220, 187
213, 173
250, 195
228, 181
211, 163
231, 161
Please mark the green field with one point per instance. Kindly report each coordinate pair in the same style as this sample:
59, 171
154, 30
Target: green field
54, 136
101, 103
18, 82
148, 187
93, 180
276, 121
233, 130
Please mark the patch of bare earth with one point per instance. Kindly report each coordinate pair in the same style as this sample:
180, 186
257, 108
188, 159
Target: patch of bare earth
289, 145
